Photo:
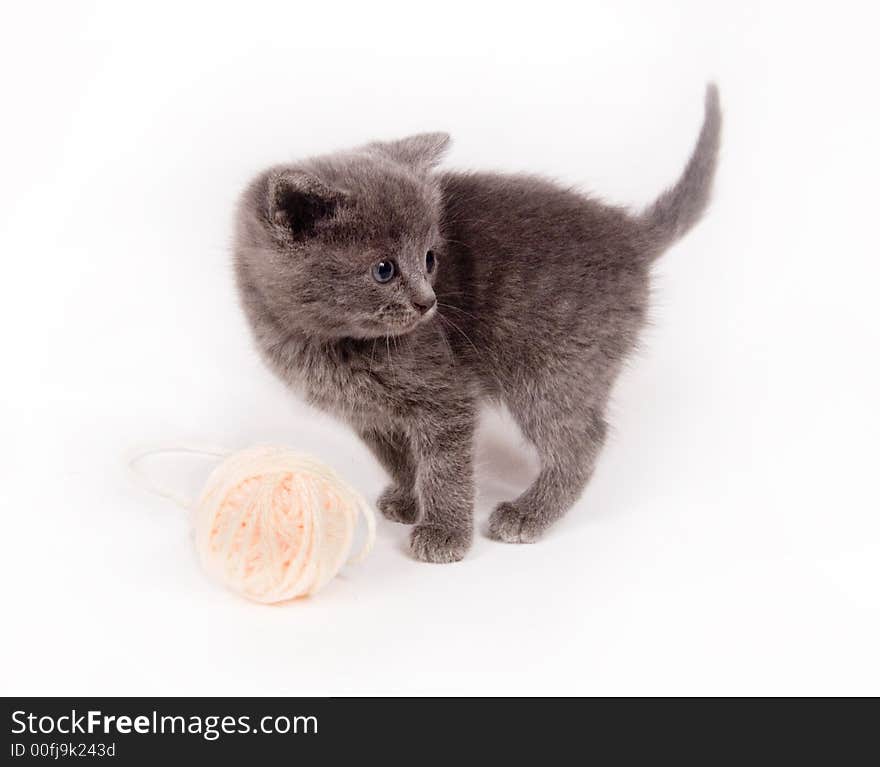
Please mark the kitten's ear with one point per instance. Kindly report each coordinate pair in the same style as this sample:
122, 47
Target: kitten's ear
423, 150
297, 201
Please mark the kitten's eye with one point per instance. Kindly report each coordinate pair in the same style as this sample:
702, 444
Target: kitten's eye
384, 271
430, 261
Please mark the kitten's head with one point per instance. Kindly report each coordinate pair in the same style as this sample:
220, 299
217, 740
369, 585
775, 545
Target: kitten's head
346, 245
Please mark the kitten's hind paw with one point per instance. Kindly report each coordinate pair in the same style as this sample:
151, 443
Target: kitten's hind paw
432, 543
508, 523
398, 505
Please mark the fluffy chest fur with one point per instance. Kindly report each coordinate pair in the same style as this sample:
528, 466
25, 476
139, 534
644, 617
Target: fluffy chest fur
365, 382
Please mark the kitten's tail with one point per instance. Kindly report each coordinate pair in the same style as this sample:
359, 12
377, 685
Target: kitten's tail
680, 207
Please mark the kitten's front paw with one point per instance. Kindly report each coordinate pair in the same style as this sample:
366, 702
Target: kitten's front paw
511, 525
432, 543
398, 505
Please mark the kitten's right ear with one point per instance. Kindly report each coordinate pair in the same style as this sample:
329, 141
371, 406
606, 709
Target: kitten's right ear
422, 151
297, 201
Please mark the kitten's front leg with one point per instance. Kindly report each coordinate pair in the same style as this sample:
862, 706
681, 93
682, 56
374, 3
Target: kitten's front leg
443, 448
392, 447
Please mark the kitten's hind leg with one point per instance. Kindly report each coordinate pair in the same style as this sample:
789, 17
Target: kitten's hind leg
398, 502
568, 447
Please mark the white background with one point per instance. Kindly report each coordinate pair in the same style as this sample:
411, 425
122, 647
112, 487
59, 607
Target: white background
729, 543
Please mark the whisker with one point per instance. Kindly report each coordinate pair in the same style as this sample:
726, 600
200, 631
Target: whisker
446, 343
455, 242
465, 335
372, 352
476, 351
388, 355
452, 219
455, 308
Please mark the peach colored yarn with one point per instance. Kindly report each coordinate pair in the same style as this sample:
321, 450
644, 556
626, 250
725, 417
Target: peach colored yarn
273, 525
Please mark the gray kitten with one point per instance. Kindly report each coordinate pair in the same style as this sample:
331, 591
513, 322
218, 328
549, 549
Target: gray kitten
397, 297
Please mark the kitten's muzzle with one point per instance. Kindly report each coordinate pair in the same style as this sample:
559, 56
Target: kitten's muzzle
423, 306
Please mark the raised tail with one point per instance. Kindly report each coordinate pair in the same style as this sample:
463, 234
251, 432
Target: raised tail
677, 209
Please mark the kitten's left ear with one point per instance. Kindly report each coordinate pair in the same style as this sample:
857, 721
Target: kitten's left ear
422, 151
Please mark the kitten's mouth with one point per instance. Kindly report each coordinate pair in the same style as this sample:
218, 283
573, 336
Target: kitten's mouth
401, 328
421, 319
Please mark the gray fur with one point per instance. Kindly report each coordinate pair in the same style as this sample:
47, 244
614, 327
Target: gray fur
680, 207
540, 291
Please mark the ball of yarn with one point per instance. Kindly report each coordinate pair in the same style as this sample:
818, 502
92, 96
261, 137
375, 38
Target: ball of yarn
273, 525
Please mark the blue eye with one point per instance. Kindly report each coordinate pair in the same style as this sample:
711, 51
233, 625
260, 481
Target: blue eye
384, 271
430, 261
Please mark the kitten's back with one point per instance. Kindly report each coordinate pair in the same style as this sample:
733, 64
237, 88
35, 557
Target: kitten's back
536, 273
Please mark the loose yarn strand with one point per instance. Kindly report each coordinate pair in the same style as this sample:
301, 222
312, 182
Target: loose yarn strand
363, 509
160, 489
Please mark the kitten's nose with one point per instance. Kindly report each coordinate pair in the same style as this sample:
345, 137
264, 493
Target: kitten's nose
424, 305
